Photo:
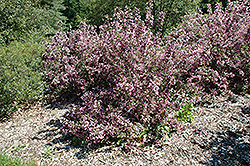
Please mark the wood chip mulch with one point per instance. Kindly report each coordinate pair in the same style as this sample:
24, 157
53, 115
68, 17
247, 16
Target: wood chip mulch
35, 134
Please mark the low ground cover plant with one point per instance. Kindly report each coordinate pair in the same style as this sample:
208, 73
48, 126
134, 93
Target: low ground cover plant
137, 88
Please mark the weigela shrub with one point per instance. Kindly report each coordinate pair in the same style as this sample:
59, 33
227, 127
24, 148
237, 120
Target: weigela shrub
133, 86
117, 76
211, 52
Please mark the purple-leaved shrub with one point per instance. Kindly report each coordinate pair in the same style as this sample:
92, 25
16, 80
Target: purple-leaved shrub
133, 86
211, 53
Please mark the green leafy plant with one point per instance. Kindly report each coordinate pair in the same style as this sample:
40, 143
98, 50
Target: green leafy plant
144, 132
48, 153
185, 114
20, 78
17, 148
163, 129
121, 142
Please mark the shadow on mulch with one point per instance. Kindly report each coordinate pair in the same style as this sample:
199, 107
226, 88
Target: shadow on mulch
66, 139
228, 148
5, 118
246, 110
60, 102
51, 134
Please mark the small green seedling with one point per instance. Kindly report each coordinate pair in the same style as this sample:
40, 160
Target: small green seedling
163, 128
120, 142
17, 148
49, 152
186, 113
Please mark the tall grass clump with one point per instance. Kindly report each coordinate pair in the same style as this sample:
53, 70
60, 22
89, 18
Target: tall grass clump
20, 78
136, 88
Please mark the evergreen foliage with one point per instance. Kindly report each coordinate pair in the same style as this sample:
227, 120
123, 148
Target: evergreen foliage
55, 10
27, 19
204, 3
168, 14
95, 10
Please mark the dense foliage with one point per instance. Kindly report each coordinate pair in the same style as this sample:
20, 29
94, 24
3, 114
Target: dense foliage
23, 24
213, 51
27, 19
204, 3
169, 14
134, 86
95, 10
20, 79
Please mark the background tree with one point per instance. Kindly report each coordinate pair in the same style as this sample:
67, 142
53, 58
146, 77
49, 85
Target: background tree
23, 19
204, 3
55, 9
174, 11
95, 10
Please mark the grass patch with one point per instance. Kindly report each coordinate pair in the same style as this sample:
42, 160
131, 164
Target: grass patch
9, 161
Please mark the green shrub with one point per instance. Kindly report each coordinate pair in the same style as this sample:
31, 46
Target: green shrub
20, 80
185, 114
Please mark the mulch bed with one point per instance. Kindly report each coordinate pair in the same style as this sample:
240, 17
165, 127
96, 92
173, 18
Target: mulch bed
225, 140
